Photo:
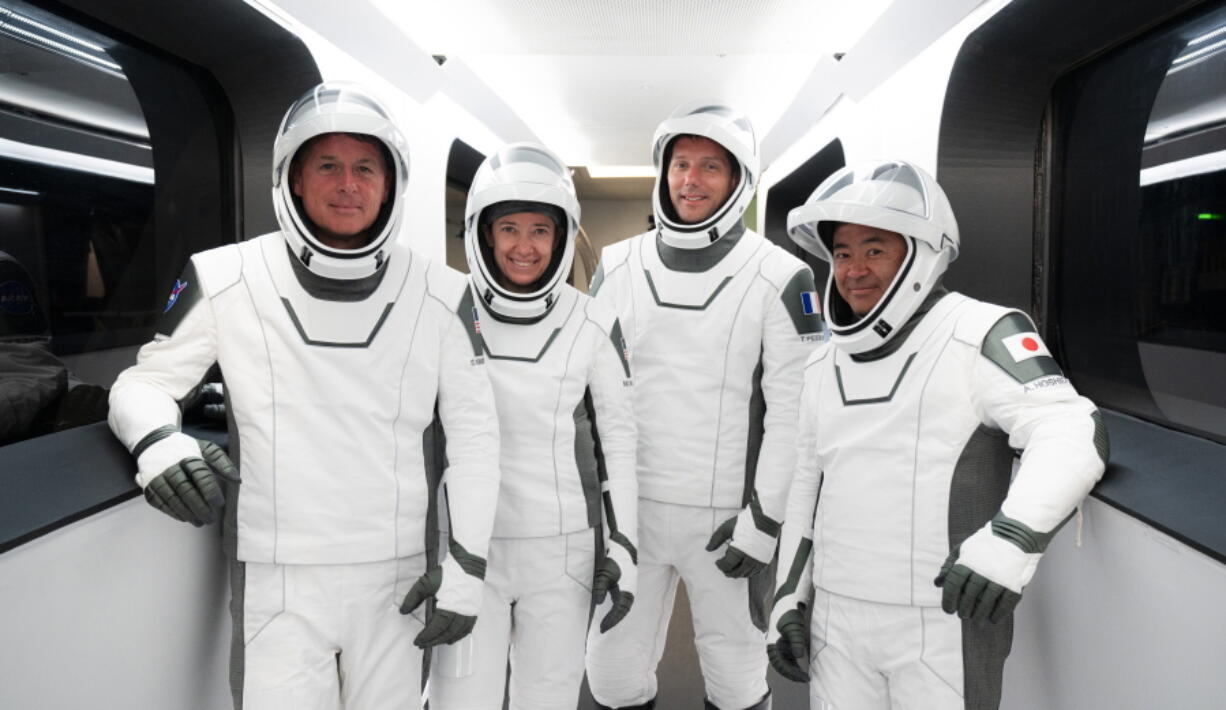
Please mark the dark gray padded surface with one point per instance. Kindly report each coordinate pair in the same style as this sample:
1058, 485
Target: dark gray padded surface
53, 480
1173, 481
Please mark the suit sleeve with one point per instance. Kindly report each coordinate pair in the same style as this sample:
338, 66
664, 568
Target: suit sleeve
611, 384
789, 336
466, 408
1021, 390
610, 288
145, 396
796, 541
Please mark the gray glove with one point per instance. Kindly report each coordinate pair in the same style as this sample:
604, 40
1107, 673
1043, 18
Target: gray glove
605, 583
789, 653
735, 563
190, 490
205, 404
972, 596
443, 626
983, 577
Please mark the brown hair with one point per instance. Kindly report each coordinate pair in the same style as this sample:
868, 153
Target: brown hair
303, 150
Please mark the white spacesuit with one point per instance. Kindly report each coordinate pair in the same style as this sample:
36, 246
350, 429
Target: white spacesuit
719, 323
334, 363
557, 363
909, 419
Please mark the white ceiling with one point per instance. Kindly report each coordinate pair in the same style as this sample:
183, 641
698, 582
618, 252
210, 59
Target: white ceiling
592, 78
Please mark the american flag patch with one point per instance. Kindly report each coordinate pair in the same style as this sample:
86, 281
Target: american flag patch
809, 303
476, 321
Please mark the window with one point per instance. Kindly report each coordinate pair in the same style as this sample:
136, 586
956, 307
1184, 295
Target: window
1141, 237
91, 234
76, 183
791, 192
462, 163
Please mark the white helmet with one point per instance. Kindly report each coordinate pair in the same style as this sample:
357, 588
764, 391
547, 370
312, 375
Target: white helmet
337, 107
732, 130
521, 177
895, 196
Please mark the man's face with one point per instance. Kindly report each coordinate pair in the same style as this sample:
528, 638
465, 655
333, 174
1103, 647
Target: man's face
865, 262
699, 178
523, 248
343, 184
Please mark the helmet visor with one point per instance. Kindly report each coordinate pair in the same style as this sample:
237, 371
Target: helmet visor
528, 154
887, 185
327, 98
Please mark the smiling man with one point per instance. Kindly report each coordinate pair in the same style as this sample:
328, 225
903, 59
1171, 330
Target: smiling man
700, 177
338, 346
865, 262
909, 419
342, 181
719, 322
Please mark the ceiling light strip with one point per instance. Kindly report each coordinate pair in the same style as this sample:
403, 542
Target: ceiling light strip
621, 171
1208, 36
51, 30
1188, 167
50, 44
75, 161
1202, 51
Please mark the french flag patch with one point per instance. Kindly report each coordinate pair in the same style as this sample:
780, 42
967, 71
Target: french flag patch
1023, 346
476, 321
809, 303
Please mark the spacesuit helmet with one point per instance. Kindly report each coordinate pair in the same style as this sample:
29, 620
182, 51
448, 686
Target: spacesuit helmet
732, 130
338, 107
895, 196
520, 177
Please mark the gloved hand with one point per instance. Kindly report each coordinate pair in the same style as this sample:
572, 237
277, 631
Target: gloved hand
788, 651
187, 488
617, 574
754, 537
457, 596
205, 404
984, 576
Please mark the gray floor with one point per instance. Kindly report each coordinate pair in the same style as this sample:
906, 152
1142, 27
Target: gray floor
681, 681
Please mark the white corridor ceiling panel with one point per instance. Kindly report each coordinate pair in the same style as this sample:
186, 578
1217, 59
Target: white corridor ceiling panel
592, 78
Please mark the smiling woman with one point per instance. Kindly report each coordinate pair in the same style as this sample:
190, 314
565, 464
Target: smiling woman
523, 246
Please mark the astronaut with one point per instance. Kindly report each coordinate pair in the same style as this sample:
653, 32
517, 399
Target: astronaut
909, 419
337, 343
562, 384
719, 322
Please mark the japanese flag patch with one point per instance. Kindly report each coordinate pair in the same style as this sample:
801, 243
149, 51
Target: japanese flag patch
1024, 346
809, 304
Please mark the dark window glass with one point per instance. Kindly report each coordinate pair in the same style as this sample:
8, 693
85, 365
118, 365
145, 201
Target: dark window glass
79, 280
792, 192
1142, 226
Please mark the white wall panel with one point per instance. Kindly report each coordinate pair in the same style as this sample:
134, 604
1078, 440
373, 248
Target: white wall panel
124, 609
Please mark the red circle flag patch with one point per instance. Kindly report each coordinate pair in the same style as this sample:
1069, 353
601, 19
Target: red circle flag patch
1023, 346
